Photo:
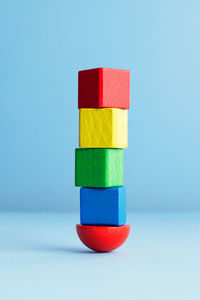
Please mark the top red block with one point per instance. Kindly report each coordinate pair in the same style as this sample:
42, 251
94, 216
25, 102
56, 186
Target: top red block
104, 87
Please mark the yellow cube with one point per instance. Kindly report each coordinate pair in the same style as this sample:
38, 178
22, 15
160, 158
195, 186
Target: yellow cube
103, 128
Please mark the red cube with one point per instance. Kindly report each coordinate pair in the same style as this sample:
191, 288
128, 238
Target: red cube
103, 87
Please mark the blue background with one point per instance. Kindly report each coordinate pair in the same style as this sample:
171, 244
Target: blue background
43, 44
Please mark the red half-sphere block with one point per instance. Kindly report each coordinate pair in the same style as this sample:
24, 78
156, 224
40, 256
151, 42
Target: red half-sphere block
103, 238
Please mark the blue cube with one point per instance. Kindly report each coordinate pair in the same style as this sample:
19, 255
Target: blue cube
103, 206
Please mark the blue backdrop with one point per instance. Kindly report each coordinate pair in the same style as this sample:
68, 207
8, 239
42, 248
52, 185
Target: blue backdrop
43, 44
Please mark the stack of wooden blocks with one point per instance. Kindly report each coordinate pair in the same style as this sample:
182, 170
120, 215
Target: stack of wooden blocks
103, 100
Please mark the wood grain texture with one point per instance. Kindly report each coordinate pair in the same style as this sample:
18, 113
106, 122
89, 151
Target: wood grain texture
98, 167
104, 87
103, 128
103, 206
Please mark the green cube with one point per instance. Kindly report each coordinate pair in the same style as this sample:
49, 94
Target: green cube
98, 167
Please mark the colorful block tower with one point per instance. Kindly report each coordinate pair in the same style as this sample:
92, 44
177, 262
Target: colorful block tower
103, 100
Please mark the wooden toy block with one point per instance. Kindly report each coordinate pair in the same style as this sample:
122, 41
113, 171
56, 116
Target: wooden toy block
98, 167
103, 206
103, 87
103, 128
103, 238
